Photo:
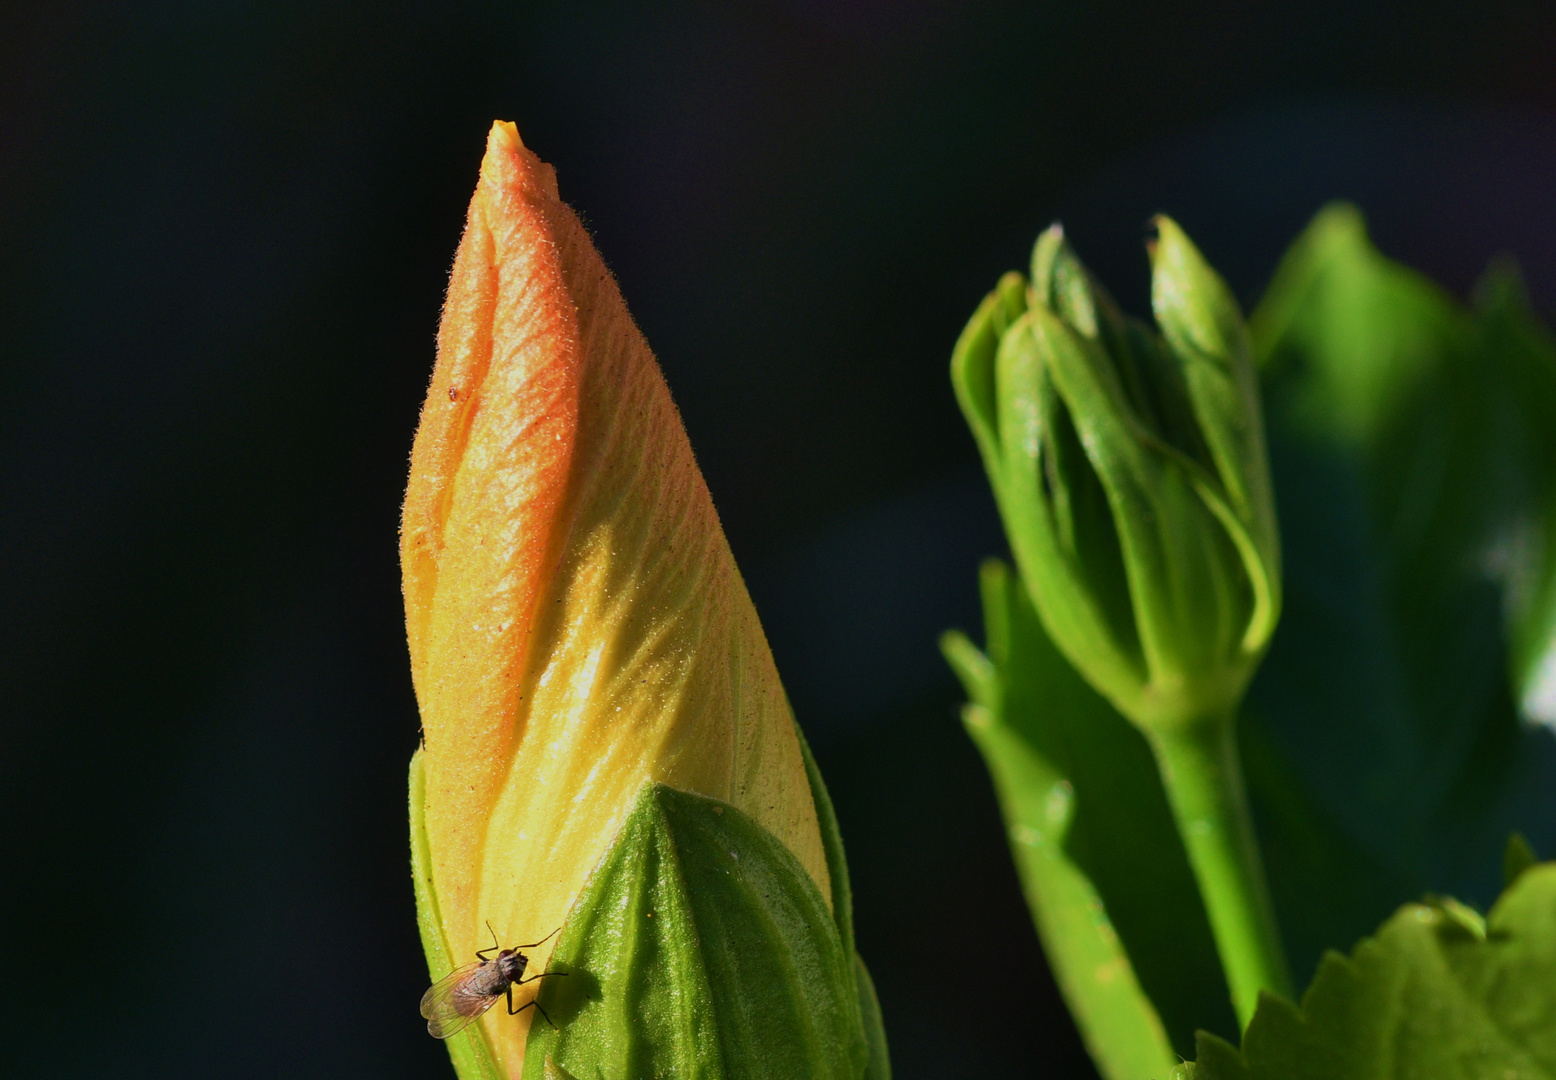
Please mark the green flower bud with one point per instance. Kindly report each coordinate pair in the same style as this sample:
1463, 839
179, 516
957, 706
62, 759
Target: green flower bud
1130, 470
1131, 473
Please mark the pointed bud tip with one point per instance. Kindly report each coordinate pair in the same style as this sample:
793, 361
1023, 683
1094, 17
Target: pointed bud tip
1045, 253
1168, 240
510, 166
1155, 228
505, 136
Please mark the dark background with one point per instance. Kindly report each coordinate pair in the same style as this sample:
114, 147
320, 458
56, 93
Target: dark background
224, 235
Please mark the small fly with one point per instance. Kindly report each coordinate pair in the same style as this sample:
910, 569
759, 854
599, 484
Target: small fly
466, 992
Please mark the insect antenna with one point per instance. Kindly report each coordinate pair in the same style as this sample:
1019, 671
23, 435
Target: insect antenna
542, 941
481, 953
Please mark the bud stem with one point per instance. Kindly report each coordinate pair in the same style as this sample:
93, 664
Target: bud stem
1204, 782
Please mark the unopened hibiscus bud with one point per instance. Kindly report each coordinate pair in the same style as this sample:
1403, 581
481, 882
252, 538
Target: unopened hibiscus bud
1130, 469
597, 696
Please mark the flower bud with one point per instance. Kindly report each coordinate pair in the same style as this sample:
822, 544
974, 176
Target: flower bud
1130, 470
578, 629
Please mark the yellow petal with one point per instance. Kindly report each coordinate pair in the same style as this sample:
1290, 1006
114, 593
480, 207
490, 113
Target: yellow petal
576, 620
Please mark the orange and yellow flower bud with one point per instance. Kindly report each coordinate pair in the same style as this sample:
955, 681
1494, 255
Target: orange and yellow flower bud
577, 624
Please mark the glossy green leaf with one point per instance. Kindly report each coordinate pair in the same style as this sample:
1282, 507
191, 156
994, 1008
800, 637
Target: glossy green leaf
1105, 874
1433, 994
699, 948
1413, 442
468, 1050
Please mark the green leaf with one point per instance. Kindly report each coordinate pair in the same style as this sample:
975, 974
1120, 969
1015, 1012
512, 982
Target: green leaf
1527, 355
1432, 995
1105, 874
468, 1049
1413, 443
700, 947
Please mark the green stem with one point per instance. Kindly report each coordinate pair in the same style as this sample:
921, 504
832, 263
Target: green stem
1204, 783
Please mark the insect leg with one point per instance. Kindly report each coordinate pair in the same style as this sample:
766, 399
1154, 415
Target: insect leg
538, 1007
542, 975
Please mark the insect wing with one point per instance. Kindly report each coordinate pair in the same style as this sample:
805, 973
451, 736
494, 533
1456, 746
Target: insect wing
455, 1000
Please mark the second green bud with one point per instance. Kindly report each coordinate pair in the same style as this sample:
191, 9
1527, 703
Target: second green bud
1130, 468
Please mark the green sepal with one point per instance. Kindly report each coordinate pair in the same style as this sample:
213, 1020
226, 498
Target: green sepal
1103, 869
1186, 580
878, 1067
972, 364
878, 1064
831, 846
1062, 284
468, 1050
1434, 993
1057, 511
1206, 337
699, 948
